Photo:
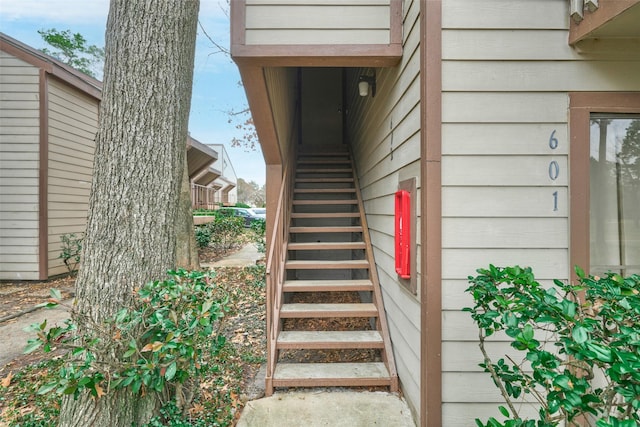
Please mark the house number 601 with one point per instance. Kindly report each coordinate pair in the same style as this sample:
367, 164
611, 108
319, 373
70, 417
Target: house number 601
554, 168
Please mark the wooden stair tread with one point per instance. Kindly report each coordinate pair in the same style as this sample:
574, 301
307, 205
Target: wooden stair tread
300, 310
327, 264
326, 374
323, 161
325, 215
327, 285
310, 246
323, 180
324, 190
329, 339
327, 229
324, 170
326, 202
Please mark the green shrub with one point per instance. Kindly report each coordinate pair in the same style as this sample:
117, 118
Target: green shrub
242, 205
568, 334
71, 245
203, 235
163, 339
224, 232
258, 230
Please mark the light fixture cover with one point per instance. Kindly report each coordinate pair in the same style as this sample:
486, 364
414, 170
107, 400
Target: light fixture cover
363, 87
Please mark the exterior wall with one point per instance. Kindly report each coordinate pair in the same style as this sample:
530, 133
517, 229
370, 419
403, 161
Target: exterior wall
19, 161
73, 121
507, 70
384, 133
282, 87
227, 181
272, 22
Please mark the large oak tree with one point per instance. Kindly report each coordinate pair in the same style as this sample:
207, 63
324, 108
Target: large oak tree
138, 170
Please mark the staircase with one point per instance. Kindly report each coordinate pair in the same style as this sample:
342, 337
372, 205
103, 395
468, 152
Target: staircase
330, 325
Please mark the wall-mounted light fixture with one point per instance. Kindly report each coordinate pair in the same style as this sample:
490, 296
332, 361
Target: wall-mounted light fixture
366, 81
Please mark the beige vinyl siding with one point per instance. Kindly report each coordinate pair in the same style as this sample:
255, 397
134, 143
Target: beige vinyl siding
19, 159
272, 22
506, 73
73, 118
384, 133
281, 84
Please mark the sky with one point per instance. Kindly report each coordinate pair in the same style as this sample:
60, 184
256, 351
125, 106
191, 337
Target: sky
216, 81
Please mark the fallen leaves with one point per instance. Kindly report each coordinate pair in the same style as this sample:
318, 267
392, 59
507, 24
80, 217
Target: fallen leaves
6, 381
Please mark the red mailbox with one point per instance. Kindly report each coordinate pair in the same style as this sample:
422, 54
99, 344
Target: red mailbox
403, 234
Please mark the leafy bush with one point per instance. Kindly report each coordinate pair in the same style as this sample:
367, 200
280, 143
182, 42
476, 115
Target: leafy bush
259, 228
161, 340
71, 245
203, 212
224, 232
242, 205
594, 327
203, 236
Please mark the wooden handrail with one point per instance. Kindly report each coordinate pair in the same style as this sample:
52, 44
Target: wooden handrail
276, 257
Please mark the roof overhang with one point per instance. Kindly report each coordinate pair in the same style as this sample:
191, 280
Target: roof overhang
73, 77
199, 157
612, 20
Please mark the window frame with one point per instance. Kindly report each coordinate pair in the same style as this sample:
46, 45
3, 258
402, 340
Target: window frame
581, 106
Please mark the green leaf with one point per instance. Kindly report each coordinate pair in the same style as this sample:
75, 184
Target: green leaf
171, 371
503, 411
580, 334
32, 346
527, 332
580, 272
56, 294
602, 353
47, 388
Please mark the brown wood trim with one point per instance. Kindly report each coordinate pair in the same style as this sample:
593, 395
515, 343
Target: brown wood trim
238, 22
255, 86
581, 105
431, 213
333, 55
395, 26
607, 10
43, 179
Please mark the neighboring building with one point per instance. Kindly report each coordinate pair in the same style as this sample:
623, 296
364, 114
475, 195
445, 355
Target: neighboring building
226, 184
485, 111
49, 117
48, 122
217, 185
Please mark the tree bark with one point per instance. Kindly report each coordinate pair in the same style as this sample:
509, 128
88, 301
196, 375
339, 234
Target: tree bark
138, 167
186, 249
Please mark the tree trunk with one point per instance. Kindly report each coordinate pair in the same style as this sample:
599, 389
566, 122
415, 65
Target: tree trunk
186, 249
139, 160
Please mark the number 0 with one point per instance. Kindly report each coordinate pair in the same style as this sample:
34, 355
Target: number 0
554, 170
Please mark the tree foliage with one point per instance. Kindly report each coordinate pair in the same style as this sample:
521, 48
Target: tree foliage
251, 193
580, 346
73, 50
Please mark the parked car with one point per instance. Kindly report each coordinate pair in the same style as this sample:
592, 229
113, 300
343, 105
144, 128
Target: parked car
259, 212
245, 213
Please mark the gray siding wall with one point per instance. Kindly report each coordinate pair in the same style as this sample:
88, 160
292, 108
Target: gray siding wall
19, 156
507, 71
385, 135
73, 122
282, 87
272, 22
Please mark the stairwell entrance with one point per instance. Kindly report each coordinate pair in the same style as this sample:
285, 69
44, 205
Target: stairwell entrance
326, 322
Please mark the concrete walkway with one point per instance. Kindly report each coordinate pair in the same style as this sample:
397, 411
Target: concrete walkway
13, 337
247, 256
327, 408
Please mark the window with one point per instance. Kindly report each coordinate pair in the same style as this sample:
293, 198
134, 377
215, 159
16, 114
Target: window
614, 193
605, 181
